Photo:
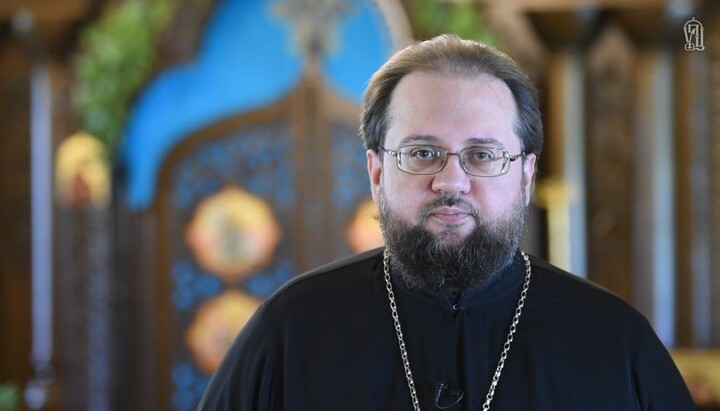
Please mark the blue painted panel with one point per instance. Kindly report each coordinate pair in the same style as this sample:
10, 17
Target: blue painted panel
190, 385
364, 44
246, 61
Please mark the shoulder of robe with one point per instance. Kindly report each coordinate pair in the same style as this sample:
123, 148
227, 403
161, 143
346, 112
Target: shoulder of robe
559, 290
331, 279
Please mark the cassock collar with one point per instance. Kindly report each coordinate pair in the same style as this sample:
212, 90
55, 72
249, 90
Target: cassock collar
505, 285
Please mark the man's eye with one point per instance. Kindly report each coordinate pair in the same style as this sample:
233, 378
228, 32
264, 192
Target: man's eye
424, 154
482, 155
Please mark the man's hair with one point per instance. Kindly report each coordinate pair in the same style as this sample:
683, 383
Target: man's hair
451, 55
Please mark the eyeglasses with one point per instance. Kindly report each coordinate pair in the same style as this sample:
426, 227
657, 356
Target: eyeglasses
477, 161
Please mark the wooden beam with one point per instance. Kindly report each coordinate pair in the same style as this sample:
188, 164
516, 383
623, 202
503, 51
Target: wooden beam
574, 5
46, 10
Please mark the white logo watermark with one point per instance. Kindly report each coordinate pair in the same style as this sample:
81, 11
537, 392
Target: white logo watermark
694, 37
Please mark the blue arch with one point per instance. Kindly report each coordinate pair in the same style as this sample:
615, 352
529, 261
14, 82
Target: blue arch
246, 61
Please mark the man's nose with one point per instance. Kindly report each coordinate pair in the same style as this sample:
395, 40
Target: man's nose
452, 178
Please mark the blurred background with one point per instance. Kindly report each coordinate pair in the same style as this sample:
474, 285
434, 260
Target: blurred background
165, 165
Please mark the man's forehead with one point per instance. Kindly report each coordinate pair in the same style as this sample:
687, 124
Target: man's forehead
416, 89
435, 140
410, 83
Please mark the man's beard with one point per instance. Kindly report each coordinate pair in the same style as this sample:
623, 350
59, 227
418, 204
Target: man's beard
427, 262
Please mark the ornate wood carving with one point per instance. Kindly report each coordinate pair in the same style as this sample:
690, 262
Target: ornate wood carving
691, 121
89, 334
609, 157
303, 159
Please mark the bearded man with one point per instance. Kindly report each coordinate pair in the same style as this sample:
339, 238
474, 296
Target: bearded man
451, 314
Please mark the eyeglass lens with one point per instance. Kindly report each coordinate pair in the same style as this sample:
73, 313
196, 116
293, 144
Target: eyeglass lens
478, 161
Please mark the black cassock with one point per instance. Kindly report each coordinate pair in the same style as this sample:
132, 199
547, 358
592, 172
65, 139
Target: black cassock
326, 341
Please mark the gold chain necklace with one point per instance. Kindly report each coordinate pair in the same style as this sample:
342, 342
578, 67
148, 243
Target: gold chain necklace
503, 354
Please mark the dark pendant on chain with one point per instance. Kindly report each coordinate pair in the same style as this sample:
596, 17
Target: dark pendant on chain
445, 398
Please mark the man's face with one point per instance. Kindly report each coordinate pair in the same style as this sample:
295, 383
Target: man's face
451, 113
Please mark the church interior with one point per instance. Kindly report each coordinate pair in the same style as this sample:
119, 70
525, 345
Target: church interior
166, 165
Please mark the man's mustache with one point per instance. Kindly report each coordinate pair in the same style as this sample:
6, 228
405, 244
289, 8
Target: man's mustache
448, 201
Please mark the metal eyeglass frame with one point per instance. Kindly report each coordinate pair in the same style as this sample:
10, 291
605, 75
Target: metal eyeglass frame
507, 159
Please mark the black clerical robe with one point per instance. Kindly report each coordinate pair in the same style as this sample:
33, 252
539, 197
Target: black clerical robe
326, 341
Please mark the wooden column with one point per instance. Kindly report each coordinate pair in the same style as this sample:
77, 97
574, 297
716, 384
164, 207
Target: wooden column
610, 156
697, 177
713, 148
36, 41
560, 190
653, 196
692, 177
674, 222
15, 268
657, 33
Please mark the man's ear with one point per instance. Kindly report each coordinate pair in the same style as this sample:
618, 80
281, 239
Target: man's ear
528, 174
374, 166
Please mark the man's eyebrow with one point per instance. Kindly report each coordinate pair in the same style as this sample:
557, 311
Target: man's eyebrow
430, 139
485, 141
419, 139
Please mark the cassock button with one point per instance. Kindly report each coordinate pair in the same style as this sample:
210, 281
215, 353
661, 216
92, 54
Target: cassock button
455, 307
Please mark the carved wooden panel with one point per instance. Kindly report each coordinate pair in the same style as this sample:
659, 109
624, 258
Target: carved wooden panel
254, 157
691, 125
609, 157
90, 331
250, 161
244, 206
